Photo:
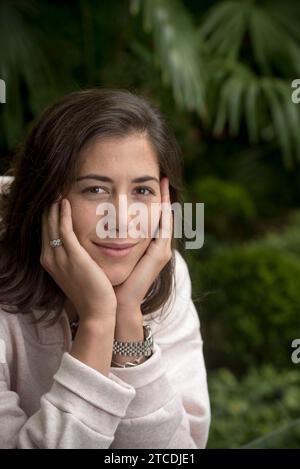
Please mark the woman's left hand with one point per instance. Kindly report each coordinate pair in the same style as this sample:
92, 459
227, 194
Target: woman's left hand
131, 293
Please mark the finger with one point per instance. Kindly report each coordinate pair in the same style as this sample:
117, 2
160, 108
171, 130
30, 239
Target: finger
45, 229
54, 229
157, 233
53, 221
164, 228
45, 234
70, 240
165, 193
166, 212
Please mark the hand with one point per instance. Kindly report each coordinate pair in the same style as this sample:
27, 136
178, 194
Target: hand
131, 293
73, 269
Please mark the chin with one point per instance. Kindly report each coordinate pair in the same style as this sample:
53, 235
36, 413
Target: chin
115, 283
116, 280
115, 276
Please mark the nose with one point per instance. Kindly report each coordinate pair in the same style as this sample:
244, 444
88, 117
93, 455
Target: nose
118, 224
132, 219
122, 217
118, 216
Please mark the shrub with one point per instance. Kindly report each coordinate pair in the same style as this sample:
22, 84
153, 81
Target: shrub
251, 308
288, 239
263, 406
229, 209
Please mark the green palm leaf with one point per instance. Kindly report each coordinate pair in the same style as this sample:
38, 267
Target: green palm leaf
280, 126
178, 50
231, 26
251, 110
248, 47
18, 68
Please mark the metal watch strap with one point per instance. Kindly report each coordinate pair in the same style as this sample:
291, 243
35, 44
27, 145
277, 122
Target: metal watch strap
143, 348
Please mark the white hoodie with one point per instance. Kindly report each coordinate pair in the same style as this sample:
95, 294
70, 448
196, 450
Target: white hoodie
51, 400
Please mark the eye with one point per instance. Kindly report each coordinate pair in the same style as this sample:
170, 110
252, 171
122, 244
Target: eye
147, 189
89, 189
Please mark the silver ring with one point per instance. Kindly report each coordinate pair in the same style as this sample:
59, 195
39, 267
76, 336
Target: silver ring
55, 243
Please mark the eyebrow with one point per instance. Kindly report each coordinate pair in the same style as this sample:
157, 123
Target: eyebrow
99, 177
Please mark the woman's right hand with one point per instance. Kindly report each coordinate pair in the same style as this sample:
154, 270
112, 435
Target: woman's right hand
73, 269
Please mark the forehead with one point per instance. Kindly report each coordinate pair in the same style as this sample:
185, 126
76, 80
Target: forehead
119, 155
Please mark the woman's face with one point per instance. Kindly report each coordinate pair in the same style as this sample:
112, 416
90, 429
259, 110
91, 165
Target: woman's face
122, 159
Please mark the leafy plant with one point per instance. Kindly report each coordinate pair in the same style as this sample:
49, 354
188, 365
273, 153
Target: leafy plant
229, 210
177, 48
23, 66
250, 314
261, 410
254, 57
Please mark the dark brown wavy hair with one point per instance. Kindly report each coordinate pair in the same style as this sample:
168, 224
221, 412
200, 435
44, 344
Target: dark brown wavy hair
45, 167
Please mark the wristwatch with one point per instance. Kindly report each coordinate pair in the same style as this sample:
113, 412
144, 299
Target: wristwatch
144, 348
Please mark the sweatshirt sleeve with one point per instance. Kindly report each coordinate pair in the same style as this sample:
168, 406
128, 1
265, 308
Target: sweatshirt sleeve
81, 410
171, 408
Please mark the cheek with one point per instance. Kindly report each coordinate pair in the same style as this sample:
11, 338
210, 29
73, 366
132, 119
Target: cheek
84, 220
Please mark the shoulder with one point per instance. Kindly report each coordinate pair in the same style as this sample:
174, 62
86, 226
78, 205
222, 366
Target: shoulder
11, 331
179, 321
182, 275
180, 297
8, 324
5, 181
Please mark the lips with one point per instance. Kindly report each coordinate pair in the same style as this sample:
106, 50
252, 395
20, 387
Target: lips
116, 245
114, 249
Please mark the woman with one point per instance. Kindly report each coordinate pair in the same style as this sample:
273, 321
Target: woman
69, 301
